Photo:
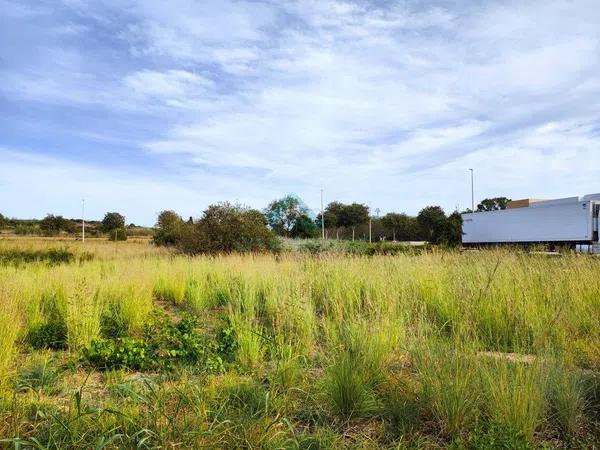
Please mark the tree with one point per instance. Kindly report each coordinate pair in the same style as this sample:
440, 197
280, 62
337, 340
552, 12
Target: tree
169, 225
431, 221
331, 215
282, 214
452, 232
439, 229
305, 227
3, 221
402, 226
52, 225
227, 228
353, 215
112, 221
493, 204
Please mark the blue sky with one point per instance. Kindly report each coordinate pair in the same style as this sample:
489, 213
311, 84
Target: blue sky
144, 105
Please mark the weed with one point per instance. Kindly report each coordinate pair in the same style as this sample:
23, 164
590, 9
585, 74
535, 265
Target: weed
38, 376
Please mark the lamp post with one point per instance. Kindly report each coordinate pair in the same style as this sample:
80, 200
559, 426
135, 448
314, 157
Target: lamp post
83, 220
472, 191
322, 218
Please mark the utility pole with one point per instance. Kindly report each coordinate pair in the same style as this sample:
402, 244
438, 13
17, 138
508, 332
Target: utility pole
322, 217
370, 222
472, 191
83, 220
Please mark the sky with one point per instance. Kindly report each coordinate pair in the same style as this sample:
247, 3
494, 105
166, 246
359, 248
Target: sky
144, 105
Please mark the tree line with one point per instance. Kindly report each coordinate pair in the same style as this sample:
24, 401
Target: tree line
225, 227
112, 225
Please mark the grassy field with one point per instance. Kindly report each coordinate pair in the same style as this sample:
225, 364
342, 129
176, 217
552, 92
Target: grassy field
124, 345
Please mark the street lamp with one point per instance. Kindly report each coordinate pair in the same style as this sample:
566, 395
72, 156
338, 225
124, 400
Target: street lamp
322, 218
472, 191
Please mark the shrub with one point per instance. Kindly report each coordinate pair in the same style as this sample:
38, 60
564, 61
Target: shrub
164, 346
112, 221
51, 256
226, 228
315, 247
112, 322
119, 353
49, 335
227, 343
494, 437
118, 234
169, 230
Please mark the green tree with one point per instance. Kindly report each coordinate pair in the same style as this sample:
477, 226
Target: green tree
52, 225
403, 226
3, 221
493, 204
431, 221
282, 214
331, 215
112, 221
305, 227
452, 230
170, 226
353, 215
227, 228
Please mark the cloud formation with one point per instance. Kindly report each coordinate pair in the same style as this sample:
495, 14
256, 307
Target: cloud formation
387, 103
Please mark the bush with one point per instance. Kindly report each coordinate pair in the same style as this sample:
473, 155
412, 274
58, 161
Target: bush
494, 436
50, 335
393, 248
118, 234
315, 247
226, 228
164, 346
227, 343
112, 322
51, 256
169, 231
112, 221
119, 353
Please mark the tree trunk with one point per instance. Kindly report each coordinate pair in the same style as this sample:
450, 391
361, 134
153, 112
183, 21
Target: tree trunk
394, 233
352, 234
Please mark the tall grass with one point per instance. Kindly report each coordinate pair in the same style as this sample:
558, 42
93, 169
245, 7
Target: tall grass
438, 344
515, 395
9, 329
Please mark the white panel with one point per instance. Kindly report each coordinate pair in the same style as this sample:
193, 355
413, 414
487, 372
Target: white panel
562, 221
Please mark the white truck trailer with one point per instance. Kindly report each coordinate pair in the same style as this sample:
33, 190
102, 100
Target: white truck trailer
571, 222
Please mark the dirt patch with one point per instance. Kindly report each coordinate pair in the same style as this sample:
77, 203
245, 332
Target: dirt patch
510, 357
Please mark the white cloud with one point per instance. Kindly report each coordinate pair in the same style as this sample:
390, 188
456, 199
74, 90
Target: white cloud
372, 100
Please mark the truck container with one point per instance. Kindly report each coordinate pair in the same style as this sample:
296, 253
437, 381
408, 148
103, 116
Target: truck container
571, 221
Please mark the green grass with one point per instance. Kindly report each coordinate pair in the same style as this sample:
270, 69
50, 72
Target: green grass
428, 349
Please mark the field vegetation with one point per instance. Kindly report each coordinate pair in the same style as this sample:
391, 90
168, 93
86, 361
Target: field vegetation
129, 345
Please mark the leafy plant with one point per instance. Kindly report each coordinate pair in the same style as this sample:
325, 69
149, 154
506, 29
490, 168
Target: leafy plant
164, 346
49, 335
227, 343
118, 353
